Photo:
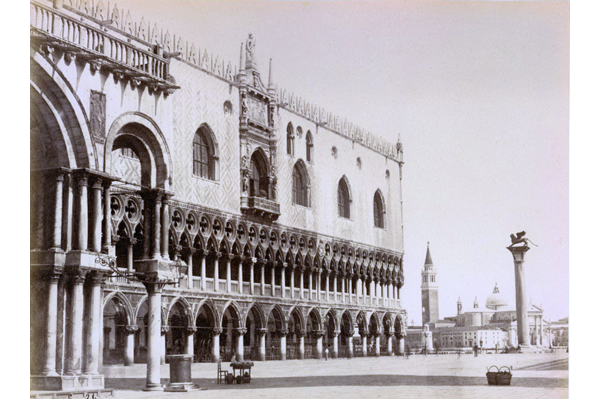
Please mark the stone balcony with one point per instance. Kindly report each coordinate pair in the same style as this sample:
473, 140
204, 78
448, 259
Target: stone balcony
86, 40
261, 207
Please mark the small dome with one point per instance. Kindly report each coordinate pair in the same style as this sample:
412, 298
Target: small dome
495, 301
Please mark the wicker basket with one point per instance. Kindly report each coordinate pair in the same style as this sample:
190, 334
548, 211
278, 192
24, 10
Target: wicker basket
500, 377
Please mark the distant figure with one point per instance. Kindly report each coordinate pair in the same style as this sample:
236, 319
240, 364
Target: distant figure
407, 351
233, 361
475, 348
326, 353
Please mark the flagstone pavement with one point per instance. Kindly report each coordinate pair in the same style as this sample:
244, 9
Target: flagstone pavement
444, 376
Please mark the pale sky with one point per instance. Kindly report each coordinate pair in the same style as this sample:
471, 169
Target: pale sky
478, 92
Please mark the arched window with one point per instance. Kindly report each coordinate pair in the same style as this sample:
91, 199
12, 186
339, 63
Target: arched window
290, 139
343, 199
205, 158
378, 210
300, 186
259, 180
309, 147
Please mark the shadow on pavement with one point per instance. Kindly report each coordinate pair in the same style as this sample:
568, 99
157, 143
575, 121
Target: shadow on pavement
348, 380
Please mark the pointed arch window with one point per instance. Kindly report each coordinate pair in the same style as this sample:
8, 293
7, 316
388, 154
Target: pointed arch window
204, 154
378, 210
290, 139
343, 199
309, 147
300, 186
259, 180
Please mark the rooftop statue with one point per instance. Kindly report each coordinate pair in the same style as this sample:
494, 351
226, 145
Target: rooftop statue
250, 49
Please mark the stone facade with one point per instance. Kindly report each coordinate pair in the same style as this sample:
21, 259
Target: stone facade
169, 216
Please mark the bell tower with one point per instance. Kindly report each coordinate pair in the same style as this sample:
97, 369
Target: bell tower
429, 291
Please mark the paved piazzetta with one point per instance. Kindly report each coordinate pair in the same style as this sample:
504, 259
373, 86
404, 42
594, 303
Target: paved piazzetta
443, 376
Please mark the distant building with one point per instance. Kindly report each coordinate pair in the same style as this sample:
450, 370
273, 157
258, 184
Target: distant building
559, 332
489, 327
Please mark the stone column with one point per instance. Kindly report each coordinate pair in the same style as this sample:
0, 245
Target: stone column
75, 343
301, 283
148, 204
156, 232
350, 347
390, 348
49, 360
132, 242
154, 347
189, 346
106, 242
82, 235
239, 351
292, 283
228, 273
216, 274
251, 266
165, 223
521, 299
190, 269
336, 334
334, 288
130, 344
163, 343
262, 277
38, 186
327, 287
92, 341
203, 254
262, 353
343, 289
310, 280
320, 335
58, 203
301, 335
273, 279
377, 344
358, 287
283, 266
96, 215
240, 276
401, 345
216, 346
319, 271
283, 343
364, 345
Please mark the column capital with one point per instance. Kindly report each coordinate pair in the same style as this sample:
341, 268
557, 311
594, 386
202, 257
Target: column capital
284, 264
319, 333
132, 241
98, 278
115, 239
301, 333
218, 254
217, 331
78, 275
164, 329
227, 256
192, 250
261, 331
190, 330
131, 329
241, 331
336, 332
96, 182
253, 260
283, 332
53, 274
